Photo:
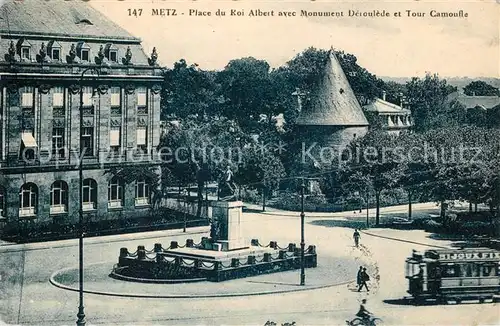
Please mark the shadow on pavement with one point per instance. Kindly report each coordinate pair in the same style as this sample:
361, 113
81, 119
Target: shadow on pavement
400, 302
340, 224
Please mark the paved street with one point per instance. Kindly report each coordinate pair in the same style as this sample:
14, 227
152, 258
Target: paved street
27, 297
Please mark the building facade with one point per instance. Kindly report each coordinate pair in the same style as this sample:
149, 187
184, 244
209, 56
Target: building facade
73, 84
390, 117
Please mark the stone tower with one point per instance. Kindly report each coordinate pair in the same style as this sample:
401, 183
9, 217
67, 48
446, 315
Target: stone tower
334, 117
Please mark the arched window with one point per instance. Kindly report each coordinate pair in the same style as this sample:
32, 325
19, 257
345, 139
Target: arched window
59, 197
28, 200
141, 193
2, 202
115, 193
89, 194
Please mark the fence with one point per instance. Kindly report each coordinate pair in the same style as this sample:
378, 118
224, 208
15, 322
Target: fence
189, 207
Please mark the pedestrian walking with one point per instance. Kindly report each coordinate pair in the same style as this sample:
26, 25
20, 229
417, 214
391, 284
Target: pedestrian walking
359, 276
364, 278
356, 237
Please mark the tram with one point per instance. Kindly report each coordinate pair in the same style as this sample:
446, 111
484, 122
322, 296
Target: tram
445, 275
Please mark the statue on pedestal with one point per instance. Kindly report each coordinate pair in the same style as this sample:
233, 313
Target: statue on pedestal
227, 187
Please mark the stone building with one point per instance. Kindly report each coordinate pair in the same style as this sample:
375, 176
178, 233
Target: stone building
47, 48
334, 116
389, 116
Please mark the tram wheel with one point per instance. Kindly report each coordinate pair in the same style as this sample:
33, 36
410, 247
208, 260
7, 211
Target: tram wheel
481, 300
458, 300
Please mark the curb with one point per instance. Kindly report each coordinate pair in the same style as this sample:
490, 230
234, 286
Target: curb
183, 296
99, 240
403, 240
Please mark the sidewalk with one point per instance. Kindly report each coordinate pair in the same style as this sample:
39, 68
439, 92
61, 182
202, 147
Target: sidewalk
343, 214
7, 246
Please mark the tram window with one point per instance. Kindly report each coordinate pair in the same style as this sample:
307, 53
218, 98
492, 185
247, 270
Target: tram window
450, 271
488, 270
469, 270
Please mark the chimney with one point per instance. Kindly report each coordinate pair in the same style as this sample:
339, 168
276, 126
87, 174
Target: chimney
383, 95
401, 99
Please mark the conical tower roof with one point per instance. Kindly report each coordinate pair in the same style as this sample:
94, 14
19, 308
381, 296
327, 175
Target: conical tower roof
333, 103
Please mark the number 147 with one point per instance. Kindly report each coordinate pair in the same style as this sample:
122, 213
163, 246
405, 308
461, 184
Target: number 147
134, 12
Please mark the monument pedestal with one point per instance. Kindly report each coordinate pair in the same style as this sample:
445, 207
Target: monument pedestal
228, 217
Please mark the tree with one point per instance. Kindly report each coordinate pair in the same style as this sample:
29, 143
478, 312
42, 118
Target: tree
376, 163
247, 91
480, 88
428, 101
260, 168
189, 91
365, 85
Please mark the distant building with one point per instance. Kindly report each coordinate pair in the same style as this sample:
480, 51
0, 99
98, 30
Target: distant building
45, 47
391, 117
334, 116
474, 101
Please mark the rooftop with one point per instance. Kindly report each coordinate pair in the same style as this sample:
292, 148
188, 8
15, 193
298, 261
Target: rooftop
381, 106
333, 103
58, 18
485, 102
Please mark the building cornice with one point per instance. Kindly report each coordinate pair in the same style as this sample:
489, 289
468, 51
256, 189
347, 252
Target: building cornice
61, 37
32, 76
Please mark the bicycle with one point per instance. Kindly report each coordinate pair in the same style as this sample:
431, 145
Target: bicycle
373, 321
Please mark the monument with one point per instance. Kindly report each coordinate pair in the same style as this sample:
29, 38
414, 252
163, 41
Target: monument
225, 255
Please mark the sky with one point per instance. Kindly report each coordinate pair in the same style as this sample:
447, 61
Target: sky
386, 46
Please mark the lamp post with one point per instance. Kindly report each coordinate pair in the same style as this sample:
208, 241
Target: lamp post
302, 243
81, 311
367, 209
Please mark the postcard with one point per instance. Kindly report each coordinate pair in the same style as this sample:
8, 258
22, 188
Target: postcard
218, 162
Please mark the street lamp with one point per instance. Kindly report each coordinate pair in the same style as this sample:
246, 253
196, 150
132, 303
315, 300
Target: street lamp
302, 243
81, 311
367, 208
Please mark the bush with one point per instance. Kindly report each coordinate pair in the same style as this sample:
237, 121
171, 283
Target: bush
431, 225
478, 228
312, 203
251, 196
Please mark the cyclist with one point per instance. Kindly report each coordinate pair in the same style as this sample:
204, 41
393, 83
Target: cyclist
363, 313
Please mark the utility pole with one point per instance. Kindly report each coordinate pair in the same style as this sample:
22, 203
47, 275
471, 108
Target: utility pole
81, 310
367, 209
302, 242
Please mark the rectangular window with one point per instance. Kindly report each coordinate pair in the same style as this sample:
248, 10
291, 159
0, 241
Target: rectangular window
27, 97
87, 141
87, 96
25, 53
115, 96
141, 97
141, 137
58, 97
141, 193
84, 56
58, 143
114, 139
113, 56
56, 54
